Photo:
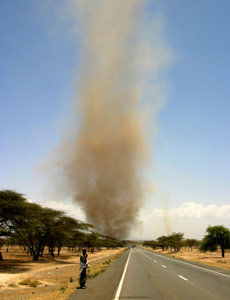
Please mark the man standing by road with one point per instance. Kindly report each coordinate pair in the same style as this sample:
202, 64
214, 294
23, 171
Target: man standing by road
83, 266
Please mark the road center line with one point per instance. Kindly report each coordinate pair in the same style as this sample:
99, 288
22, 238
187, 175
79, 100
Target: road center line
155, 261
186, 263
163, 266
182, 277
122, 279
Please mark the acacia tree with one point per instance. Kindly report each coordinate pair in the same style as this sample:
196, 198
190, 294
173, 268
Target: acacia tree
152, 244
10, 204
191, 243
64, 232
162, 242
109, 242
30, 222
176, 241
36, 227
216, 236
2, 241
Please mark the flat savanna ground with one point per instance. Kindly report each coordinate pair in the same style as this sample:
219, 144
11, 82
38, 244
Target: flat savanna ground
54, 278
213, 259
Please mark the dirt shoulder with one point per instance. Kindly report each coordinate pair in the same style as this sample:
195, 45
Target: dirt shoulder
55, 279
213, 259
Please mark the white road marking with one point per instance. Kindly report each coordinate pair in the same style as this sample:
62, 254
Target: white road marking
182, 277
163, 266
122, 279
150, 258
155, 261
185, 263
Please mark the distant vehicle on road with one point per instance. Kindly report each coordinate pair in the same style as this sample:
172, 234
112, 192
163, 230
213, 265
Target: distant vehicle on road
133, 246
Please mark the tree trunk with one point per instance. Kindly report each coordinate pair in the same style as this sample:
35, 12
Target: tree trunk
35, 254
42, 250
51, 251
222, 251
35, 257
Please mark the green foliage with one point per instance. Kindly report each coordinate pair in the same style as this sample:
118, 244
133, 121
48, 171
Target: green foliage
163, 242
152, 244
30, 223
35, 227
64, 231
216, 236
191, 243
174, 241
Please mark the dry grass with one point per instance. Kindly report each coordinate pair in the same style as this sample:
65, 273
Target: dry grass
30, 282
213, 259
100, 267
57, 278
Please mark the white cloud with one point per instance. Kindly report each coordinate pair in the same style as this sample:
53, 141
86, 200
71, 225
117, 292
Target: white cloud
69, 208
195, 210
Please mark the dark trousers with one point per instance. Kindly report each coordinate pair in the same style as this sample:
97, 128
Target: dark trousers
83, 277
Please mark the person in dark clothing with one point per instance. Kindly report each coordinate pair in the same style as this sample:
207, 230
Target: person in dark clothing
83, 266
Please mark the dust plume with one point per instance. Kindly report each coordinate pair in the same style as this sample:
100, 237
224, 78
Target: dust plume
166, 216
109, 151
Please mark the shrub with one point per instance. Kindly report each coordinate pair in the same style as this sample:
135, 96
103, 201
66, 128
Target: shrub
30, 282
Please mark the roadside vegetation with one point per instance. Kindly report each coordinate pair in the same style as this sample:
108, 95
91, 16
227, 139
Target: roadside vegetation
40, 249
48, 278
30, 282
173, 242
216, 237
213, 249
35, 228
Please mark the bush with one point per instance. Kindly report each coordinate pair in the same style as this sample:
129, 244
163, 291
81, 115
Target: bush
30, 282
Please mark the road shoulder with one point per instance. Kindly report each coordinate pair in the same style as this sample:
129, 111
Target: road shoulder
204, 266
104, 286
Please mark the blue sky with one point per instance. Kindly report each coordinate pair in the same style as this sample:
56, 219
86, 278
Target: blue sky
39, 61
194, 123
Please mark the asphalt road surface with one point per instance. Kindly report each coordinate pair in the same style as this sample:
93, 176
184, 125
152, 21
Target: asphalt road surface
140, 274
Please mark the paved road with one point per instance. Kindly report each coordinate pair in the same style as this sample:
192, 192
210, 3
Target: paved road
141, 274
153, 276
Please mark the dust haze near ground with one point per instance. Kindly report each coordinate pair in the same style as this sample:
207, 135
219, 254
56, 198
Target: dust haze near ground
103, 165
166, 216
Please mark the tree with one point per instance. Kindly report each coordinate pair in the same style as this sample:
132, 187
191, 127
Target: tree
35, 227
2, 242
92, 241
216, 236
10, 204
30, 222
176, 241
163, 242
191, 243
64, 231
152, 244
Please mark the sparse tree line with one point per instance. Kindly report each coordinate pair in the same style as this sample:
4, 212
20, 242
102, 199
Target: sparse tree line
216, 237
36, 228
